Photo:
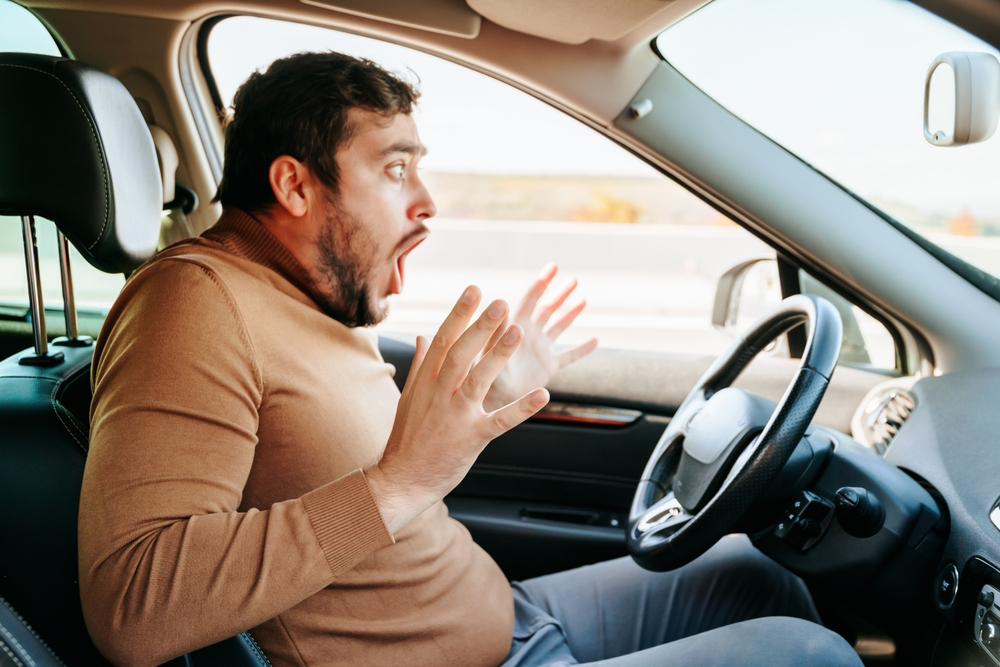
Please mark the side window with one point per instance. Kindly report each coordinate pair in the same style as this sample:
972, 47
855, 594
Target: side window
518, 184
21, 31
866, 340
751, 288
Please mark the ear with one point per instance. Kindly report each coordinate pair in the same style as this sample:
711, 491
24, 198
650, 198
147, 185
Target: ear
291, 182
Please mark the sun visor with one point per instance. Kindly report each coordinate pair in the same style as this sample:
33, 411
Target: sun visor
570, 21
448, 17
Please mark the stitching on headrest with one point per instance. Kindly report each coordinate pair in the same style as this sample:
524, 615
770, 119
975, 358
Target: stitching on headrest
97, 144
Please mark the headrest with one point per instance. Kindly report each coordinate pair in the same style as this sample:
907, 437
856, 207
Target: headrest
75, 149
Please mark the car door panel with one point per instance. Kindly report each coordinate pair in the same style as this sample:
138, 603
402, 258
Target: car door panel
583, 466
532, 539
554, 493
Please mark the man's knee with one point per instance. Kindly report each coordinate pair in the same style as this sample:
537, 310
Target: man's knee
762, 642
792, 641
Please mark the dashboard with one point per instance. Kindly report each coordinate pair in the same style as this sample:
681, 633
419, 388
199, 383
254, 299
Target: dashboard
950, 444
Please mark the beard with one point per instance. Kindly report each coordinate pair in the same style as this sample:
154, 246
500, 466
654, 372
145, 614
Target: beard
348, 253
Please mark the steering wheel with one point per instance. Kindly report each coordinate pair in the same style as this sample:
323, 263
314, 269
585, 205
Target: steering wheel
724, 446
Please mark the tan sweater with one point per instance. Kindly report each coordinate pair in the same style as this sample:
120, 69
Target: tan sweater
224, 492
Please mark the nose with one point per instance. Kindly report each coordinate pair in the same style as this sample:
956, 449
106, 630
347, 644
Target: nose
422, 206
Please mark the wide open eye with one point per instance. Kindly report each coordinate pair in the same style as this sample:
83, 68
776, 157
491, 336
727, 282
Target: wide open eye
397, 171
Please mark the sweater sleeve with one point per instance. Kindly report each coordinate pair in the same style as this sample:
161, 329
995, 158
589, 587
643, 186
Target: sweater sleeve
167, 562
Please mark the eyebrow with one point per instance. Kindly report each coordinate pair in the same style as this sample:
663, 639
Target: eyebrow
418, 150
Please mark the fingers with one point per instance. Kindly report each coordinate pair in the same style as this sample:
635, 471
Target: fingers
577, 353
481, 377
506, 418
530, 300
496, 335
418, 359
544, 312
451, 329
463, 353
560, 325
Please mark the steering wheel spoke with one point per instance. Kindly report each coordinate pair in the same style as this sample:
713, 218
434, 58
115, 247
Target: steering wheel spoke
666, 516
663, 461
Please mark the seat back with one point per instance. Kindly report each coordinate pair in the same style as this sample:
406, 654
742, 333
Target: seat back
43, 449
76, 150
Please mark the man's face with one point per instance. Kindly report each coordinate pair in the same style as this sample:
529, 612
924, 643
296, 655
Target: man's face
375, 218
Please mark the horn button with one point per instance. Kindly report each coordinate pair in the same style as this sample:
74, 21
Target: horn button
713, 439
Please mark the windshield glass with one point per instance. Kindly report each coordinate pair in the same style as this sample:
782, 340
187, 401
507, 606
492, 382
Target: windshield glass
840, 83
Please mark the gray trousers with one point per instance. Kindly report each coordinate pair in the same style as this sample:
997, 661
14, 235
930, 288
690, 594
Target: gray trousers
732, 606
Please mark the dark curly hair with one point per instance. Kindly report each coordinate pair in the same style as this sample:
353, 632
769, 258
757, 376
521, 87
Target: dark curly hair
298, 107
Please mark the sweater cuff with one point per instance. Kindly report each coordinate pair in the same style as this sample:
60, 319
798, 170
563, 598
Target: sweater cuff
346, 521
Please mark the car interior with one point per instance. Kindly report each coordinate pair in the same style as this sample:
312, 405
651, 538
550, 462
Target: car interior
875, 485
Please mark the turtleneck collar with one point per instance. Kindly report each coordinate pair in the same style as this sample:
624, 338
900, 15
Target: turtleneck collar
242, 234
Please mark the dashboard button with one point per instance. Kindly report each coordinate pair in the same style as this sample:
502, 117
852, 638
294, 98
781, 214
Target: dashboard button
947, 586
783, 528
988, 634
985, 598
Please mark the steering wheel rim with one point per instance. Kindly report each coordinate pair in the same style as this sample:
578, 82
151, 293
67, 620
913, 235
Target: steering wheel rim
664, 532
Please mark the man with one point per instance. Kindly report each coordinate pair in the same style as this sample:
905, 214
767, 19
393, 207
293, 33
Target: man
245, 470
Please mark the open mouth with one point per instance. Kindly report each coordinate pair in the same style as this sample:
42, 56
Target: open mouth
396, 285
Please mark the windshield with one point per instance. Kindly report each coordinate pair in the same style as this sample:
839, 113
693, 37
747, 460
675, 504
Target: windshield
840, 83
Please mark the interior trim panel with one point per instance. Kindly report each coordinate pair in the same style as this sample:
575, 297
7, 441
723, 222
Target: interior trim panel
577, 413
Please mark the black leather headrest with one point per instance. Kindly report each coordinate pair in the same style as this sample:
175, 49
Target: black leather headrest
75, 149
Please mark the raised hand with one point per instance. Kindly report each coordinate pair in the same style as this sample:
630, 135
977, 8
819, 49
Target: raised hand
441, 426
536, 359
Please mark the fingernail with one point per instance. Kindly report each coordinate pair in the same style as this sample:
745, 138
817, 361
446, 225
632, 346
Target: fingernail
540, 398
511, 336
496, 310
469, 295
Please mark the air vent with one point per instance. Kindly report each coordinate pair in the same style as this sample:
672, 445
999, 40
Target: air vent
883, 415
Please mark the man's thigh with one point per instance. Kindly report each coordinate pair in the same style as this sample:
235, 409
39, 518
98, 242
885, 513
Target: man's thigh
617, 608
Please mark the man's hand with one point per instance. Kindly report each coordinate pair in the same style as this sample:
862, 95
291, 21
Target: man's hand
441, 426
536, 360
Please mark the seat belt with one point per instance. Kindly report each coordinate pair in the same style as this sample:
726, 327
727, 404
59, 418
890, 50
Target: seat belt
20, 646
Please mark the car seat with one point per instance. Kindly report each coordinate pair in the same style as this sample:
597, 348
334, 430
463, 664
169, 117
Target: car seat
73, 149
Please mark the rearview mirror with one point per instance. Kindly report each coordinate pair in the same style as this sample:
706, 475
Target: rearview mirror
971, 114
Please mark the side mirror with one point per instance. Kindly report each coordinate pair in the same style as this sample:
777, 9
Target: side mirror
973, 116
744, 293
750, 289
